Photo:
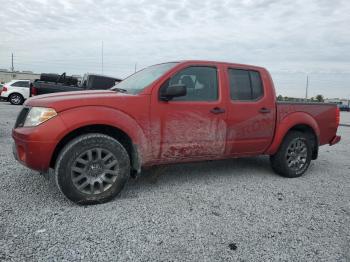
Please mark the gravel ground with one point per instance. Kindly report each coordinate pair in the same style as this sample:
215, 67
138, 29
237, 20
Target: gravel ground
232, 210
345, 118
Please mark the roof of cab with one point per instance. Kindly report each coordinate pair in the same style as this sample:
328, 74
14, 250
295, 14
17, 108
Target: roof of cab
220, 63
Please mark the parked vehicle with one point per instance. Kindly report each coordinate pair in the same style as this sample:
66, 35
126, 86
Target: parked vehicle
344, 107
168, 113
52, 83
16, 91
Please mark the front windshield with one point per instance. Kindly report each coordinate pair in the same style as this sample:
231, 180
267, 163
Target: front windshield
140, 80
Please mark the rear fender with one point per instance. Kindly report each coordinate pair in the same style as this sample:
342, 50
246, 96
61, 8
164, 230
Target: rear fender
287, 123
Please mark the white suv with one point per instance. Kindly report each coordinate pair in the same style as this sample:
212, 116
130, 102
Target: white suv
16, 91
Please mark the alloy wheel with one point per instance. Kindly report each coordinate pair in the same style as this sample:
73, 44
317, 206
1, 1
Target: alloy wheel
15, 99
94, 171
297, 154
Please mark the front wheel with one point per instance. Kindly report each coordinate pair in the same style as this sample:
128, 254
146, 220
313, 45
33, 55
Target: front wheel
294, 155
92, 168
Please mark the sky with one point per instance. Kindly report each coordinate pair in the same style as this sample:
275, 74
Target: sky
292, 39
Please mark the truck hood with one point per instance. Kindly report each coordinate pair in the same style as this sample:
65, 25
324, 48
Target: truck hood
67, 100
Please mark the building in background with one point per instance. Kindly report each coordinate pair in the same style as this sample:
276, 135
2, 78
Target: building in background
339, 101
7, 76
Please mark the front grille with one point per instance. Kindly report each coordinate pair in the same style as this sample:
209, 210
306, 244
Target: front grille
22, 117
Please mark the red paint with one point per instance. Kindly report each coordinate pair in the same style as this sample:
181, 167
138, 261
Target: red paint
337, 116
335, 140
176, 131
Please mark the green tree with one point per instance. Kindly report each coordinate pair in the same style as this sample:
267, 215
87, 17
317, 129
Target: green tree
280, 98
320, 98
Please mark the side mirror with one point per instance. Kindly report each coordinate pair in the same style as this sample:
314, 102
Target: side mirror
172, 91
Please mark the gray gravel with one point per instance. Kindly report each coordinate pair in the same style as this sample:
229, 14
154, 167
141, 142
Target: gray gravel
232, 210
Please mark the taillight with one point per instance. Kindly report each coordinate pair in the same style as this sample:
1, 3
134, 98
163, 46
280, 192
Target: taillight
4, 88
337, 116
33, 91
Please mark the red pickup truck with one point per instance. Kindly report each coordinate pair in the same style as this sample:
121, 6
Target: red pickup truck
168, 113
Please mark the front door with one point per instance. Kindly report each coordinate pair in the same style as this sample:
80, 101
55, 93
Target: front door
192, 126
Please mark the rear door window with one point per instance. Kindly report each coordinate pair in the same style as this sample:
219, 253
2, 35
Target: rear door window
245, 84
21, 84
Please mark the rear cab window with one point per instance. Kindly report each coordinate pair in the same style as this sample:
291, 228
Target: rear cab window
100, 82
245, 85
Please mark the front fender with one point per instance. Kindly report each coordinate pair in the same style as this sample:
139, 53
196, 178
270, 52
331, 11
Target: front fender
96, 115
287, 123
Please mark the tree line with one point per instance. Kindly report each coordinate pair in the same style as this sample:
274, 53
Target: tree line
318, 98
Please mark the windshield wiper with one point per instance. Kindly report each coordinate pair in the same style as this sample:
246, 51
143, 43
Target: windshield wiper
121, 90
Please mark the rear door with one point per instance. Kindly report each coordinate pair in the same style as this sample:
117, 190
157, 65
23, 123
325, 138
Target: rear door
192, 126
21, 87
251, 111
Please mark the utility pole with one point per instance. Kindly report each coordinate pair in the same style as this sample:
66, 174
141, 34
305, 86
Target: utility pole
102, 57
307, 86
135, 67
12, 69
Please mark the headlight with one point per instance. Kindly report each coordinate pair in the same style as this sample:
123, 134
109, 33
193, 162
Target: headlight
38, 115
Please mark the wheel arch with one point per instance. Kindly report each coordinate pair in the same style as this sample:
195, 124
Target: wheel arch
298, 121
112, 131
105, 120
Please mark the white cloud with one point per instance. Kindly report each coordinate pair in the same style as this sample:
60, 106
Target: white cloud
291, 38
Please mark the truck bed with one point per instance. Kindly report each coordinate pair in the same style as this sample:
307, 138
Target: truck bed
48, 87
321, 112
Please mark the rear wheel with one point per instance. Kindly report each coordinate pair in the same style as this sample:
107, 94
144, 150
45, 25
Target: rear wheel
16, 99
92, 168
294, 155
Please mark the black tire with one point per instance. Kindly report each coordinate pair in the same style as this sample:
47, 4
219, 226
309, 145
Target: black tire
97, 160
16, 99
288, 163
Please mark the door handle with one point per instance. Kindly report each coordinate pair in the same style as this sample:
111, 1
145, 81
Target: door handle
264, 110
217, 110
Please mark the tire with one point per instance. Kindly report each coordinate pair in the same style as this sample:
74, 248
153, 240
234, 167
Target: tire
16, 99
92, 169
294, 155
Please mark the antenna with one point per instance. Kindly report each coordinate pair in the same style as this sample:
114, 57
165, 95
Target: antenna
102, 57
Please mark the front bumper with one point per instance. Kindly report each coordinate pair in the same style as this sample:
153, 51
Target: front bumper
34, 146
335, 140
35, 155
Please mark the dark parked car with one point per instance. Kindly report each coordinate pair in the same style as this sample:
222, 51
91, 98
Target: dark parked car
344, 108
52, 83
